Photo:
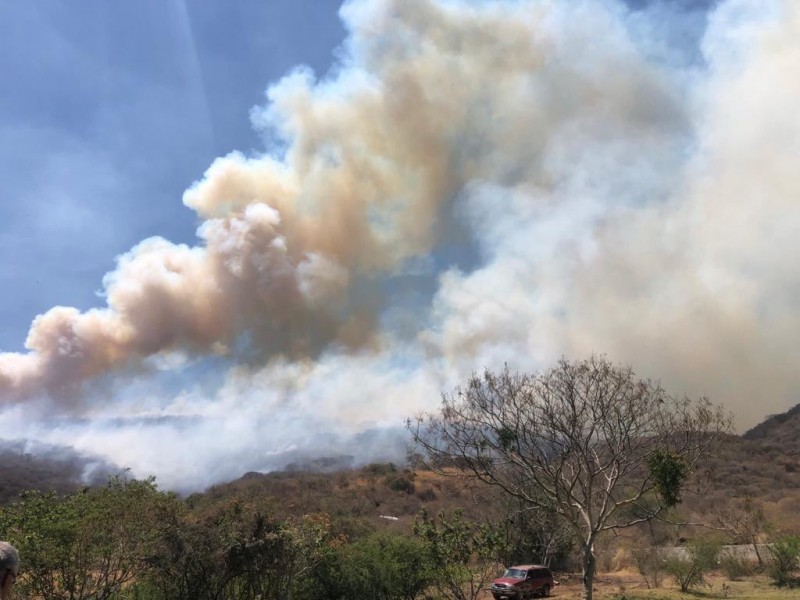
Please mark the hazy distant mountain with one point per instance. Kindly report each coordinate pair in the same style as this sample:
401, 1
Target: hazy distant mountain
763, 463
784, 428
26, 465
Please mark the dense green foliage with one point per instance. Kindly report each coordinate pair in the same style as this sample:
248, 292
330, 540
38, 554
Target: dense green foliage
784, 560
533, 533
90, 544
669, 472
463, 554
690, 569
380, 566
130, 541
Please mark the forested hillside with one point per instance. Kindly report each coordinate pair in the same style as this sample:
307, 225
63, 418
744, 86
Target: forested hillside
33, 466
764, 464
348, 532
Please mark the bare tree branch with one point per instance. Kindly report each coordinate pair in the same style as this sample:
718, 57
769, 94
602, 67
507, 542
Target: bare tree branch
585, 440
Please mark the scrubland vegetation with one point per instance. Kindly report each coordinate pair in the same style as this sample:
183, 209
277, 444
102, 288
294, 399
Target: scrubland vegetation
270, 537
715, 525
306, 535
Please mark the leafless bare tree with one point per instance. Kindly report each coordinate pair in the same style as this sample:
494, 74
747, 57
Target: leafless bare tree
744, 519
587, 440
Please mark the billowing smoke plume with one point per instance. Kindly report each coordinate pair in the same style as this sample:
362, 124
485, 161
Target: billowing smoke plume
476, 183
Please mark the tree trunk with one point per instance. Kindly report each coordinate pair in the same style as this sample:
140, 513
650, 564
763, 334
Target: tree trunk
758, 553
589, 564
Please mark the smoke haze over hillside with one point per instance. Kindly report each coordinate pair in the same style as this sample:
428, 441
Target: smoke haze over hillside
473, 184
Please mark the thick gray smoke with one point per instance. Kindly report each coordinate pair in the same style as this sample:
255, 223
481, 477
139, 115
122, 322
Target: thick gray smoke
476, 183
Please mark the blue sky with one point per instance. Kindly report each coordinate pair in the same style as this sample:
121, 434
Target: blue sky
109, 111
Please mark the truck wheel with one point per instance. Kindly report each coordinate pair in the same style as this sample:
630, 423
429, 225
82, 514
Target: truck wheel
545, 590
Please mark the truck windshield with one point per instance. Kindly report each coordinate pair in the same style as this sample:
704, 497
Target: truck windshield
515, 573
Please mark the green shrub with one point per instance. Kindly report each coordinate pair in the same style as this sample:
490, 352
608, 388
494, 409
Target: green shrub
381, 566
426, 495
400, 484
784, 560
735, 566
690, 569
650, 564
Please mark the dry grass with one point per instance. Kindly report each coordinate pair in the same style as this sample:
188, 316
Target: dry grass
627, 585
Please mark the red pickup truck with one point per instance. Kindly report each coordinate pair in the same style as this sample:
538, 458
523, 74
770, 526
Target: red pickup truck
523, 581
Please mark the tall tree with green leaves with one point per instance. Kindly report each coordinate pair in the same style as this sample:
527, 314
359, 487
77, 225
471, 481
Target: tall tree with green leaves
532, 534
463, 554
381, 566
236, 549
87, 545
